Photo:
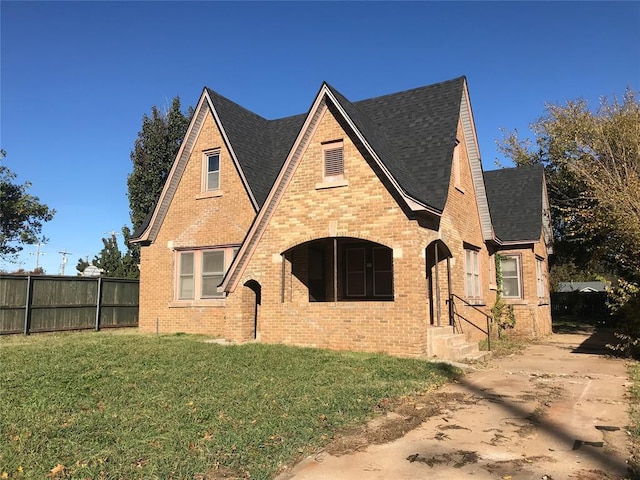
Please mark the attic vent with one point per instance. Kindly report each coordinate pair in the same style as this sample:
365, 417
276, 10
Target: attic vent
333, 161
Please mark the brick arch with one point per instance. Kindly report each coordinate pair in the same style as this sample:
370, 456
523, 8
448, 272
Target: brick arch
355, 236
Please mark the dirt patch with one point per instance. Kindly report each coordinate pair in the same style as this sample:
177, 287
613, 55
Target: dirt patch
400, 417
507, 467
455, 459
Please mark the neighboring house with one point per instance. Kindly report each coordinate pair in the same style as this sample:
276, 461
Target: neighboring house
362, 225
582, 287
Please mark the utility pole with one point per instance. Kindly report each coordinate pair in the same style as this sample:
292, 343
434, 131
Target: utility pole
37, 254
64, 254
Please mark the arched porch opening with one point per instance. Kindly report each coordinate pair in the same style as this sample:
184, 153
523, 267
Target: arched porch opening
438, 268
338, 269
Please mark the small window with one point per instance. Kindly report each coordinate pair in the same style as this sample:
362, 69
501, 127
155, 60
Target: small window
540, 278
472, 273
511, 279
333, 165
212, 167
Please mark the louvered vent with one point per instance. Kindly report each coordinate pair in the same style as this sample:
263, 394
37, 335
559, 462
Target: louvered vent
333, 162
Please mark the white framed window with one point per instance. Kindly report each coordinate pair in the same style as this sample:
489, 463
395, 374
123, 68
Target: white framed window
511, 276
211, 170
200, 271
541, 278
472, 273
333, 161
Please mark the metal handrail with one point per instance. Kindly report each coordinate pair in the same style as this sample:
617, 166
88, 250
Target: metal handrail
453, 314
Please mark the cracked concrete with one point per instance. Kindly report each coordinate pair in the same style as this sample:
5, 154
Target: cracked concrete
558, 410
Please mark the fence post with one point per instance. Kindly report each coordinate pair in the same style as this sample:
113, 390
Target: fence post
27, 304
98, 303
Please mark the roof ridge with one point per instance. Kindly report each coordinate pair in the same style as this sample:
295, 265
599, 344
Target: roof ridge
235, 104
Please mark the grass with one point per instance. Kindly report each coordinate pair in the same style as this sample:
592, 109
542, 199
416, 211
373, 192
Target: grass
505, 346
634, 416
125, 405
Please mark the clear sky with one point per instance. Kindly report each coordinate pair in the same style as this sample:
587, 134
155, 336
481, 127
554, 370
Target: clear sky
77, 77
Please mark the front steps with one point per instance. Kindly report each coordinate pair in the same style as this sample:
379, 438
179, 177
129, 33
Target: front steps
444, 344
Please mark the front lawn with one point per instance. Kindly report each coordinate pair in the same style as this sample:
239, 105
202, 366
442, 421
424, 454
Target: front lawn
124, 405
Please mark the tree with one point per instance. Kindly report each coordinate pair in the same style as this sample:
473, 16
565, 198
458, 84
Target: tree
111, 261
21, 214
592, 165
153, 154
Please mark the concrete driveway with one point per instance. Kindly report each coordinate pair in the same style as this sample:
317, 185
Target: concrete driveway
558, 411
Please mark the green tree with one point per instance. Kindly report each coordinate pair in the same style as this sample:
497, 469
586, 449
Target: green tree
111, 261
153, 154
22, 215
592, 165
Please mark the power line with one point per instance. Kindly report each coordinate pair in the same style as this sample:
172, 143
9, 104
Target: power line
64, 254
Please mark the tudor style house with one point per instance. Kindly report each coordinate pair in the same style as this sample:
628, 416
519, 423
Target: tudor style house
365, 225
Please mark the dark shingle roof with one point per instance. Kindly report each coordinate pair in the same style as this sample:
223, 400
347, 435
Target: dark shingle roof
515, 202
413, 133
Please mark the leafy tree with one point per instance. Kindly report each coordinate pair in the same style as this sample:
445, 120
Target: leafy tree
111, 261
592, 165
153, 154
21, 214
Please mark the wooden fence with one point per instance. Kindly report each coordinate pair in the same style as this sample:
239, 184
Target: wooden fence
34, 303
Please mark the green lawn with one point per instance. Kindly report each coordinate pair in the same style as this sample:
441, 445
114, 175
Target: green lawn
124, 405
634, 414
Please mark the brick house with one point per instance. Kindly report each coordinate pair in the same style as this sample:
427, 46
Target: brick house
364, 225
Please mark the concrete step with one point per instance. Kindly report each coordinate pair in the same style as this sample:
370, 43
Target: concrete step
477, 357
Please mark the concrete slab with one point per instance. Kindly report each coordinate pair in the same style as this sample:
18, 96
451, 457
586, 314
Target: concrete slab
559, 410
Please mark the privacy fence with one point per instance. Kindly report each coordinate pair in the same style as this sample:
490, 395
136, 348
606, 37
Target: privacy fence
34, 303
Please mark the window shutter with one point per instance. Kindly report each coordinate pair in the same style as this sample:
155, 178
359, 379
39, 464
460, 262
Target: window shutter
333, 162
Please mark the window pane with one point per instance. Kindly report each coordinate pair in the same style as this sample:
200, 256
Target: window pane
213, 262
383, 283
355, 260
382, 259
210, 286
213, 180
186, 263
510, 287
509, 267
213, 163
186, 288
356, 284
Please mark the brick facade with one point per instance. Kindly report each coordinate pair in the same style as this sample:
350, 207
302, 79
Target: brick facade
272, 301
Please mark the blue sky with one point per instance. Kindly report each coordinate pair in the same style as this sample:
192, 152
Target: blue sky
77, 77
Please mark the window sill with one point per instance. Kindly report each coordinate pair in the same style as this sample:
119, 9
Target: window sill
543, 301
211, 194
332, 184
515, 301
214, 302
475, 302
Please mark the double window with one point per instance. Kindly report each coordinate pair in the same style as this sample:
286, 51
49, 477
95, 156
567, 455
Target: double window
199, 272
511, 276
368, 272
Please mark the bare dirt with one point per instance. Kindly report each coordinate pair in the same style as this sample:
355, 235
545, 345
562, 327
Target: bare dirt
558, 411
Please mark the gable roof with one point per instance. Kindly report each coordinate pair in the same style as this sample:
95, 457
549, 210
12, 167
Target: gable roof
516, 202
411, 134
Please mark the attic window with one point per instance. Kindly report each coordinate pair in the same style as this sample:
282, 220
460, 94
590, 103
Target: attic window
211, 170
333, 165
